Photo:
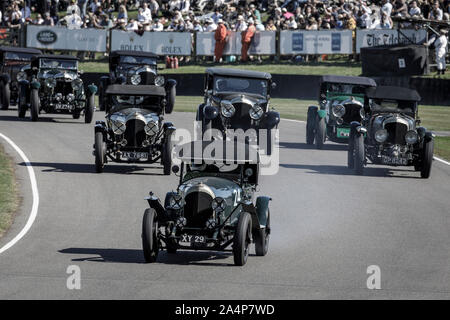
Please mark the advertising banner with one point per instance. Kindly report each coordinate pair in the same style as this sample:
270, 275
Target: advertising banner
372, 38
315, 42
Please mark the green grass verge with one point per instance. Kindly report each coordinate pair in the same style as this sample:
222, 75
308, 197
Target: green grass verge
434, 118
442, 147
8, 192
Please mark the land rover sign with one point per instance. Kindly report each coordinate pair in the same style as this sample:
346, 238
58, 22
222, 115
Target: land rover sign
46, 37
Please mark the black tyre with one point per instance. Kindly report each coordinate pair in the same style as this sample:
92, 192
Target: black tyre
6, 95
350, 153
242, 239
34, 105
358, 154
150, 243
262, 237
99, 151
89, 109
76, 115
320, 132
427, 160
171, 100
101, 96
22, 104
310, 118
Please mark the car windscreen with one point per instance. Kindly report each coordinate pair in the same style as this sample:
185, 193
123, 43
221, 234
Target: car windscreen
58, 64
246, 85
381, 105
137, 60
231, 172
345, 89
127, 101
18, 56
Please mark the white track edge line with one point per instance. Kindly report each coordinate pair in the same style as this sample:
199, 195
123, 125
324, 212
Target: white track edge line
35, 206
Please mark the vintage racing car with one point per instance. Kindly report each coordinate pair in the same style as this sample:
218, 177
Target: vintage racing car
13, 62
341, 101
213, 208
53, 85
390, 133
134, 131
136, 68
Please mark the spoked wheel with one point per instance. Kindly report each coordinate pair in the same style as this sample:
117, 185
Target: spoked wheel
310, 125
89, 109
427, 160
34, 105
99, 152
358, 154
242, 239
320, 132
22, 104
149, 236
350, 153
171, 100
262, 238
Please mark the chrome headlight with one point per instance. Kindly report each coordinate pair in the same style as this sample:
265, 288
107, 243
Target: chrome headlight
117, 123
135, 79
21, 76
227, 109
256, 112
70, 97
151, 128
381, 135
159, 81
411, 137
50, 82
176, 201
362, 113
77, 84
58, 96
218, 204
338, 110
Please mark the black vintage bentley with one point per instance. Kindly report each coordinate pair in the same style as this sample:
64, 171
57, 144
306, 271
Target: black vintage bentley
390, 133
341, 101
135, 68
53, 85
237, 99
134, 131
213, 208
13, 63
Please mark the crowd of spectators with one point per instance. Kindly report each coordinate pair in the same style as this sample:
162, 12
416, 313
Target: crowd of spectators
204, 15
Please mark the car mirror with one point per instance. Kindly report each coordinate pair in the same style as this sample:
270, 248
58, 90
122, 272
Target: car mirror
175, 169
274, 85
81, 71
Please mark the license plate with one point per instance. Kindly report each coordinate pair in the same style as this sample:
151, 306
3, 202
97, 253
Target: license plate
135, 155
193, 239
343, 132
394, 160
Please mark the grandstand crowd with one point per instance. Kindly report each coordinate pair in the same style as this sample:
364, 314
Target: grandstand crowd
206, 15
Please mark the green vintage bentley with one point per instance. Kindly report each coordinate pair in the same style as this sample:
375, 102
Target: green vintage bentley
341, 101
213, 208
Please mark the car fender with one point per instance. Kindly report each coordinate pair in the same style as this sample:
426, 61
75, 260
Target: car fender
357, 128
168, 128
155, 204
272, 119
92, 89
262, 209
35, 84
100, 126
210, 112
428, 136
321, 113
5, 78
170, 84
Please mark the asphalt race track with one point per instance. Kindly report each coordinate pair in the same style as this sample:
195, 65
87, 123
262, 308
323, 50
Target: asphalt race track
328, 226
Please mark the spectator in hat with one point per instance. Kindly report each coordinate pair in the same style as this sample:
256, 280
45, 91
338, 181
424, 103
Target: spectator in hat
157, 26
436, 12
441, 49
241, 25
38, 20
220, 36
210, 25
197, 26
154, 8
73, 7
188, 26
247, 37
48, 21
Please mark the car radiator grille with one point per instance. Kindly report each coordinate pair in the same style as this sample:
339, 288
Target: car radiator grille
351, 113
197, 209
63, 87
241, 118
134, 133
396, 132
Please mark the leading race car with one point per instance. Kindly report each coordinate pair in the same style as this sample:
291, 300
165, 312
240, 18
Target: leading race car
134, 131
212, 209
13, 63
390, 133
53, 85
137, 68
341, 101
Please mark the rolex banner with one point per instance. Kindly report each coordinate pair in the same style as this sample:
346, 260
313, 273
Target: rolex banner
161, 43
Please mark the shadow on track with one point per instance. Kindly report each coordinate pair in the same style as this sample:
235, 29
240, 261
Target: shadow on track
90, 168
136, 256
344, 171
302, 145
